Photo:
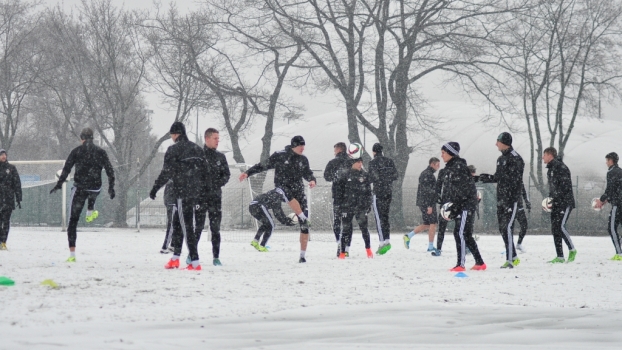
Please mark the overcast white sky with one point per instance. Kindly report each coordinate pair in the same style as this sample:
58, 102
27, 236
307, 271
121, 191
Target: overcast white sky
314, 105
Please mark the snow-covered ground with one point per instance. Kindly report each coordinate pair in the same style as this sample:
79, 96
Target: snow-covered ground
119, 296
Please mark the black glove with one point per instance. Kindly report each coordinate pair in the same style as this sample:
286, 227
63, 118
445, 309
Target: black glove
56, 188
453, 212
476, 178
486, 178
111, 193
152, 194
528, 206
19, 204
344, 215
290, 222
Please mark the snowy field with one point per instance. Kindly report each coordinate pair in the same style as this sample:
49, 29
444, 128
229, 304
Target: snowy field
118, 296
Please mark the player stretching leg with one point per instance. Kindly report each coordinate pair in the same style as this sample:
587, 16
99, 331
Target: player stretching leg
89, 161
290, 168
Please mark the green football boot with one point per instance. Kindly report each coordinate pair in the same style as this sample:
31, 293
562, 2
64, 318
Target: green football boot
71, 259
617, 257
92, 215
516, 261
384, 249
571, 255
557, 260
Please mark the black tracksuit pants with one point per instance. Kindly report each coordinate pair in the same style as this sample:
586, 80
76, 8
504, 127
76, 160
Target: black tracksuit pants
442, 227
5, 224
266, 223
171, 210
463, 233
382, 206
521, 217
187, 211
336, 221
615, 220
78, 198
346, 232
213, 207
559, 217
506, 217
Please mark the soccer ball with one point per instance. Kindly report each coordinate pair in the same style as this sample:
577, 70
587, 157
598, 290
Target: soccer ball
594, 203
293, 216
445, 211
547, 204
355, 151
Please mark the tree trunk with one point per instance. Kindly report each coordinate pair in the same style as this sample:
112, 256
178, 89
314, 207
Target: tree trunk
120, 201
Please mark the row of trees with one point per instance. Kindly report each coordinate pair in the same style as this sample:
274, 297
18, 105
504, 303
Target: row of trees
542, 63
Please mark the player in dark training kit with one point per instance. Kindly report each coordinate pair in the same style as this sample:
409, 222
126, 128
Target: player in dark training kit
185, 164
426, 202
333, 170
259, 209
509, 179
613, 195
89, 161
459, 189
560, 192
290, 168
219, 174
382, 172
10, 193
355, 196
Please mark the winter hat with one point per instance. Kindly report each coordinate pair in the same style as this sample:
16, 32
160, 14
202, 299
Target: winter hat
377, 148
453, 148
86, 134
178, 128
613, 156
3, 151
505, 138
297, 141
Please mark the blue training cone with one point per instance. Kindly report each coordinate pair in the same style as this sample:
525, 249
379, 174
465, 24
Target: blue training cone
461, 275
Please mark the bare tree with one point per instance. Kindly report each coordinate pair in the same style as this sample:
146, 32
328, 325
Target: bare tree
20, 64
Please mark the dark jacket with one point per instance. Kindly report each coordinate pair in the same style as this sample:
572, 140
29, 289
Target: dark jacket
89, 161
440, 194
219, 173
509, 178
333, 170
185, 164
354, 191
613, 192
560, 184
426, 192
10, 186
289, 169
169, 195
272, 200
459, 186
382, 172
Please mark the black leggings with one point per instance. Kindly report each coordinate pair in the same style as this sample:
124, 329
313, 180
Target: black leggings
463, 233
559, 217
183, 227
266, 223
521, 217
5, 224
346, 232
442, 227
78, 197
214, 211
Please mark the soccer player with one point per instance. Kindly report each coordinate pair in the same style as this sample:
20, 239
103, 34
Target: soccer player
185, 164
290, 168
259, 210
461, 192
509, 179
521, 217
333, 170
10, 193
426, 202
613, 195
169, 203
89, 161
560, 191
218, 177
382, 173
355, 195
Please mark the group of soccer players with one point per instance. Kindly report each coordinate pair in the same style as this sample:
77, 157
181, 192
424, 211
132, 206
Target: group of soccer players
194, 176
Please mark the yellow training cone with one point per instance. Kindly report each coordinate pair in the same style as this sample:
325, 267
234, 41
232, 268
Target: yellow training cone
50, 283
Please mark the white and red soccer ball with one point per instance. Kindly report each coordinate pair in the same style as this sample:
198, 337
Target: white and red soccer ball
355, 150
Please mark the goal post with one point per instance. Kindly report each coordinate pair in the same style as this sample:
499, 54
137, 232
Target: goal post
44, 177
